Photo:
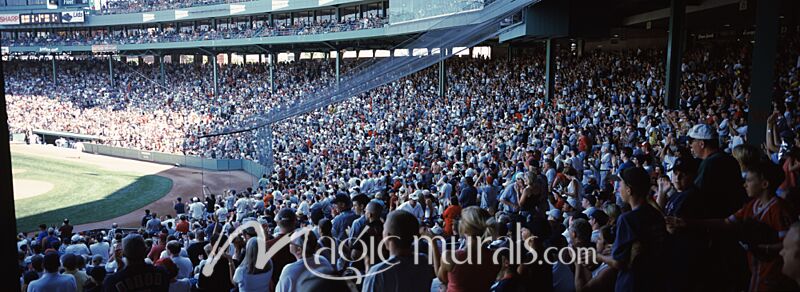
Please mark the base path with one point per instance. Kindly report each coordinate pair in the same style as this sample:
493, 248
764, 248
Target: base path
186, 182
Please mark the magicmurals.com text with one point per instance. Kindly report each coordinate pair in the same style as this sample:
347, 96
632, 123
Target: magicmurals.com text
514, 252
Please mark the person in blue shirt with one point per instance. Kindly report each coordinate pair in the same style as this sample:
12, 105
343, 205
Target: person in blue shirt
469, 194
638, 250
508, 198
51, 280
345, 218
404, 270
488, 194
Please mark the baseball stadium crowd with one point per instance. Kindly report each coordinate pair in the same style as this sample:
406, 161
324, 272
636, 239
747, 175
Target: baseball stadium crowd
668, 200
187, 34
137, 6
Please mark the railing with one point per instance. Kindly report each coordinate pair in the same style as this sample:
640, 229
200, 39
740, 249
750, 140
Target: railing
263, 31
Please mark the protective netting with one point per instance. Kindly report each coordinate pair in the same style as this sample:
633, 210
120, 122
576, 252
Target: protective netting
410, 10
441, 36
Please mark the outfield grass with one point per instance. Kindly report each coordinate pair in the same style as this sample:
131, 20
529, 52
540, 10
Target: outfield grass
83, 193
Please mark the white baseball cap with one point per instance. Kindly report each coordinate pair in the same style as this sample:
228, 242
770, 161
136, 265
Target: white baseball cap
702, 132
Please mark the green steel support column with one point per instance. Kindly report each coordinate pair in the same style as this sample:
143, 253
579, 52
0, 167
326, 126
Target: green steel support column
111, 69
161, 68
675, 52
442, 73
271, 60
338, 62
54, 70
213, 59
764, 52
550, 72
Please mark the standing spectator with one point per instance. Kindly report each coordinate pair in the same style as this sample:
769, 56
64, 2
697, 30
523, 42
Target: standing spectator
453, 268
195, 248
70, 263
159, 246
134, 267
146, 217
77, 246
222, 274
183, 224
469, 195
97, 270
719, 187
451, 215
65, 231
196, 209
175, 284
304, 249
180, 207
638, 247
764, 222
100, 247
413, 206
345, 216
184, 265
51, 280
249, 277
603, 277
153, 225
400, 230
533, 198
287, 223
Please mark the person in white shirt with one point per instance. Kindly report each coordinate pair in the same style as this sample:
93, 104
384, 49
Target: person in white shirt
77, 247
248, 276
304, 248
197, 209
305, 207
100, 247
242, 208
412, 206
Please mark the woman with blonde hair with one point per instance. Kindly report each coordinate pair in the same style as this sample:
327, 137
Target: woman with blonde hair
249, 276
470, 268
747, 155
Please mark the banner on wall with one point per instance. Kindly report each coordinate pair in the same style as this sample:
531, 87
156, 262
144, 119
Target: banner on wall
6, 19
72, 17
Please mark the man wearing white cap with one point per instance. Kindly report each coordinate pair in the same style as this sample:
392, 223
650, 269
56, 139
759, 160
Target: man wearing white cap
77, 246
412, 206
196, 209
721, 193
719, 178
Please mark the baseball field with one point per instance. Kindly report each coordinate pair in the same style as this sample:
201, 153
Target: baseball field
92, 191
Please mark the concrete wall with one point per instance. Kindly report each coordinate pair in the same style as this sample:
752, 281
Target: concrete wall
248, 166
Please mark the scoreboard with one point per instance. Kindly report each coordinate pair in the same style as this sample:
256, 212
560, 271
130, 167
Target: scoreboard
40, 18
51, 17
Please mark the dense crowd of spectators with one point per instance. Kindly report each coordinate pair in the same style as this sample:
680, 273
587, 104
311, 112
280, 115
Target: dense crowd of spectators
156, 35
667, 199
138, 6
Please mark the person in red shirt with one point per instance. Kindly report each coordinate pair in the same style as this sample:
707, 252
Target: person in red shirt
763, 223
450, 215
182, 225
161, 245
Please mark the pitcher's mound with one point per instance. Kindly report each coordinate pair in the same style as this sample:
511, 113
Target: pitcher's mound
26, 188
